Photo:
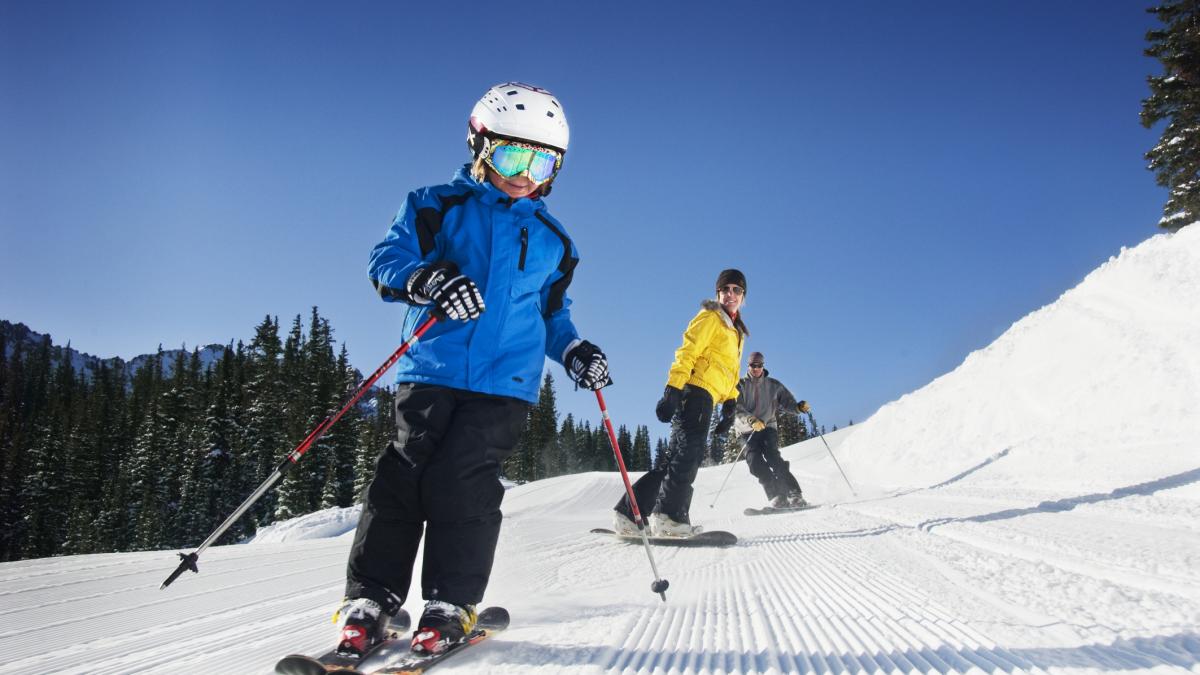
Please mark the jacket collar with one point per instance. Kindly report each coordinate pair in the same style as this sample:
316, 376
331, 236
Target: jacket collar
709, 303
494, 197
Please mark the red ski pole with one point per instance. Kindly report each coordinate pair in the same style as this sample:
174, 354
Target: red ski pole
188, 561
659, 585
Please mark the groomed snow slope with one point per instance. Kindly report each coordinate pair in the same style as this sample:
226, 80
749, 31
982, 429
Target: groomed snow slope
1036, 510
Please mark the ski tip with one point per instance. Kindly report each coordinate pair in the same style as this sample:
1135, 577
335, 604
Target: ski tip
493, 618
299, 664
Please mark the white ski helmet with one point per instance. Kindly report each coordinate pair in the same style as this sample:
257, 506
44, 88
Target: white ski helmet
518, 111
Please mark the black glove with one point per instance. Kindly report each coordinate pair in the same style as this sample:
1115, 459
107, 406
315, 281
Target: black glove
668, 404
587, 365
802, 407
728, 410
453, 294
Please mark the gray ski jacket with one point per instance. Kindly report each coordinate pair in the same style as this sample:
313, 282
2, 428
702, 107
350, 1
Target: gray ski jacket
762, 397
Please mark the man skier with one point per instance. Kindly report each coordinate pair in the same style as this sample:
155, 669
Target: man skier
760, 399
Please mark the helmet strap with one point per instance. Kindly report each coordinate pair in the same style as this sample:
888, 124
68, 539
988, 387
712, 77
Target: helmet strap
478, 140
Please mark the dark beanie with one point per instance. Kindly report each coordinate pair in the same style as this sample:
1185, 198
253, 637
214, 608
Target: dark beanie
731, 276
756, 357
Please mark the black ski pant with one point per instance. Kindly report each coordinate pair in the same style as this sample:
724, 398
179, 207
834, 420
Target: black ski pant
440, 475
768, 466
668, 487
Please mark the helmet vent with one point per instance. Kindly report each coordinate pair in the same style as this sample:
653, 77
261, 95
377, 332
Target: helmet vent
512, 93
549, 113
520, 106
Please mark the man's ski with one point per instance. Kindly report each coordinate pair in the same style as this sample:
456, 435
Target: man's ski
712, 538
768, 510
332, 662
403, 662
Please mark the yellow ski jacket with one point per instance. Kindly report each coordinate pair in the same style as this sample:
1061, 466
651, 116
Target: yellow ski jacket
711, 353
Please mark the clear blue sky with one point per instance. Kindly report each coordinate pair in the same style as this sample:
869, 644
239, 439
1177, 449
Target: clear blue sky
899, 181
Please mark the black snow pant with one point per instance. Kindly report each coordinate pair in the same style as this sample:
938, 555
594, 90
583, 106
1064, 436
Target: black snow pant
440, 474
667, 488
768, 466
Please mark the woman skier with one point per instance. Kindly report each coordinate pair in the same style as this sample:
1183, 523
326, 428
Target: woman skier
705, 372
483, 241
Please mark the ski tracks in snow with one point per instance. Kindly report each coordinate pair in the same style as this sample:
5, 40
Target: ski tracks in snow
797, 601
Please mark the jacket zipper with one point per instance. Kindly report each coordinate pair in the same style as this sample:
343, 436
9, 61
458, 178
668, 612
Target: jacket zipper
524, 247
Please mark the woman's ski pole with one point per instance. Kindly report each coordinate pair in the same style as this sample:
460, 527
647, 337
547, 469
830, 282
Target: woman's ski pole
735, 461
188, 561
659, 585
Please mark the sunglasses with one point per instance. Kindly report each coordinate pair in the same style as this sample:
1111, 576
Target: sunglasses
510, 159
756, 365
736, 290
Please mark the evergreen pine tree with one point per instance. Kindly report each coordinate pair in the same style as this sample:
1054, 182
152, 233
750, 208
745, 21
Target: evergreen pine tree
673, 441
215, 452
662, 449
543, 432
594, 450
378, 429
717, 442
791, 428
813, 429
640, 455
1175, 97
344, 437
265, 431
97, 456
625, 443
147, 498
28, 377
45, 495
310, 382
568, 444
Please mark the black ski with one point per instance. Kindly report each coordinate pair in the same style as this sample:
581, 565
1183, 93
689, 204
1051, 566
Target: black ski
403, 662
712, 538
332, 662
768, 510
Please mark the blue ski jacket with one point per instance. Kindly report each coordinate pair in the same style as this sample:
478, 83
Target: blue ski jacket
521, 259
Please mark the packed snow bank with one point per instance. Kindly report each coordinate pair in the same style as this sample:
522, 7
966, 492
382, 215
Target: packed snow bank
1099, 388
325, 524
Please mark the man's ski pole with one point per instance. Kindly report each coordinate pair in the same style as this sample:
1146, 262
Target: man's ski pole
659, 585
839, 465
188, 561
735, 461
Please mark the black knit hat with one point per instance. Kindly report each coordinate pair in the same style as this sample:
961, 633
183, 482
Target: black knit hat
731, 276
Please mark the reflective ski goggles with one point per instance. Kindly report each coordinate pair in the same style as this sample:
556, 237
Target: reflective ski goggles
510, 158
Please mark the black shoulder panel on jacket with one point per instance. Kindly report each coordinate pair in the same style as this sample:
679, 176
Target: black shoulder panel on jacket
429, 219
558, 289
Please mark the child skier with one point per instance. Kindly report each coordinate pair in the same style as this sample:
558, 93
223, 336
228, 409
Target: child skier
484, 241
760, 399
705, 371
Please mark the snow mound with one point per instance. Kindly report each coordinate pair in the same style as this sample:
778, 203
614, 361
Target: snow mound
1097, 388
325, 524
